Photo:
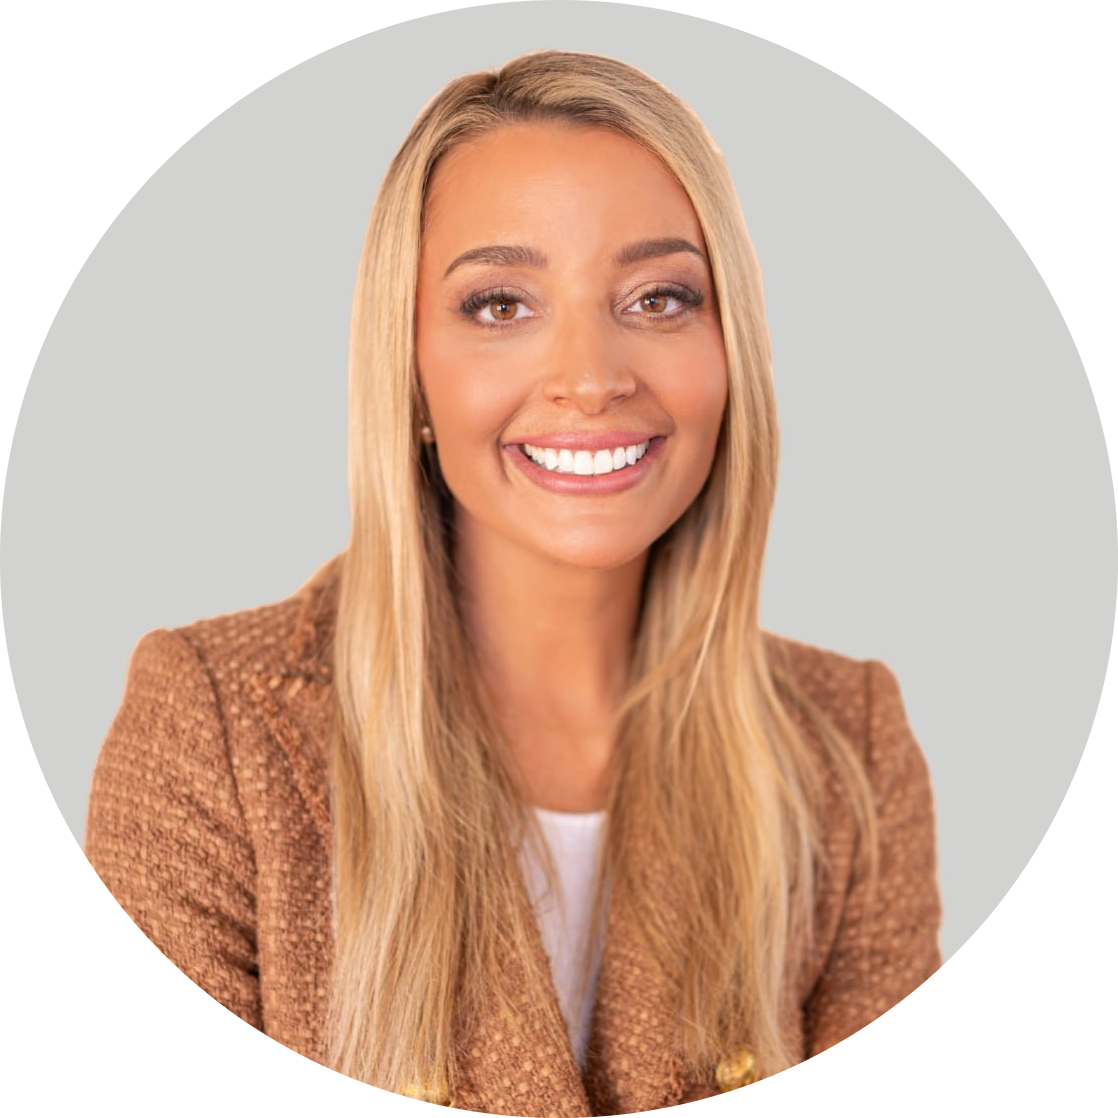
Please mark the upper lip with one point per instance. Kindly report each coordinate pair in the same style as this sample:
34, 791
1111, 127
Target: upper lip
585, 440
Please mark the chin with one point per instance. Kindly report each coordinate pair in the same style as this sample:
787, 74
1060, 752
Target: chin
596, 552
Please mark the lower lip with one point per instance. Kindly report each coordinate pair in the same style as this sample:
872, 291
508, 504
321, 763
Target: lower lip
580, 485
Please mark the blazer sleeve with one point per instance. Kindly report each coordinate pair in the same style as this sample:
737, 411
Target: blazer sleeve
887, 942
165, 830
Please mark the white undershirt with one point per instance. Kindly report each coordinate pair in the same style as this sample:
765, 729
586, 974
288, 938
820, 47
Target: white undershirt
565, 921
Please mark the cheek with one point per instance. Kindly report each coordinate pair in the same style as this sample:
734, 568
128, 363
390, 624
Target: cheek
696, 391
468, 397
469, 401
698, 405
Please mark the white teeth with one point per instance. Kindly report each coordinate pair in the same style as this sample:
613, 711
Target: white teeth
584, 462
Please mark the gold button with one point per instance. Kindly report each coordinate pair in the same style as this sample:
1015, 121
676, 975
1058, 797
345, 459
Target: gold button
435, 1095
738, 1068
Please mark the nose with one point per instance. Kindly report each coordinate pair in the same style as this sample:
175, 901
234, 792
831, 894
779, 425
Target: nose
587, 367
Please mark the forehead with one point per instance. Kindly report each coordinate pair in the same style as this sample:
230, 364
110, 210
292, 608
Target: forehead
554, 178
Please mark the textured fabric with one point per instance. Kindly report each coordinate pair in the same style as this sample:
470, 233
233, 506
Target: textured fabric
565, 912
209, 821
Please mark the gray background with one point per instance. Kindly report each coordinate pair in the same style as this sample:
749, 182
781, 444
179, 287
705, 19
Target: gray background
945, 499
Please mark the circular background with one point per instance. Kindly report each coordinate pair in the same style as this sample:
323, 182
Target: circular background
945, 500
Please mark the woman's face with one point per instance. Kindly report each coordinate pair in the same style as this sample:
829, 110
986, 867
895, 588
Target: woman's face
568, 342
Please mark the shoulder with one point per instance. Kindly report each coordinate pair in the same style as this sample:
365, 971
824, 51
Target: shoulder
292, 637
192, 693
860, 698
826, 674
818, 681
220, 705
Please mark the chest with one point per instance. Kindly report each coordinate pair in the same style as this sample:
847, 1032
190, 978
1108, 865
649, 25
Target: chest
525, 1065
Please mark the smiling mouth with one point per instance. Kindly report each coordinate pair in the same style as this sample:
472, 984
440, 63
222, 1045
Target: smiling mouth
585, 463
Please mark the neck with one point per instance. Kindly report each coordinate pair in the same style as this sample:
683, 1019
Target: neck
553, 645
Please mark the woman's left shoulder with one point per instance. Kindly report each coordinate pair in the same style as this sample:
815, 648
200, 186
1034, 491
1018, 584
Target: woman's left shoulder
877, 915
861, 698
827, 679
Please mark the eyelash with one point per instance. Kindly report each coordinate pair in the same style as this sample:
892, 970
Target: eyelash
481, 299
688, 299
684, 295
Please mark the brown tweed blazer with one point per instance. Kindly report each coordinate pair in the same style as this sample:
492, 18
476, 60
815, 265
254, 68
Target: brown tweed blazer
210, 823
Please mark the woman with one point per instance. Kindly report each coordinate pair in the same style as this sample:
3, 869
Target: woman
514, 806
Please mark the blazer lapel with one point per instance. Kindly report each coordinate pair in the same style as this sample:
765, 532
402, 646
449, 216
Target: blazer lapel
526, 1066
521, 1063
294, 698
294, 703
634, 1062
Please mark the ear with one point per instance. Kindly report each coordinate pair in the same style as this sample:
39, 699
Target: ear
424, 430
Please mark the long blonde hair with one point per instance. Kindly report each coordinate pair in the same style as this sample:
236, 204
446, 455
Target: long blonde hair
713, 774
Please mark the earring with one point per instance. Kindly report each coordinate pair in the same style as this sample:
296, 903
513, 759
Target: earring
426, 434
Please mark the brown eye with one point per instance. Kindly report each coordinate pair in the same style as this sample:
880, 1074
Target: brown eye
669, 301
495, 308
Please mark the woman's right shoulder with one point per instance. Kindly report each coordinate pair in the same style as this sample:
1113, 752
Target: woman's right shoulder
219, 741
292, 635
194, 694
207, 701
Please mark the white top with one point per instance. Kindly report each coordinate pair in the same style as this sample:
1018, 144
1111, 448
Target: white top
565, 921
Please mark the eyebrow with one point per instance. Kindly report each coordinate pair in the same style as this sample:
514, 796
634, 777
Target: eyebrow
521, 256
659, 246
511, 256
